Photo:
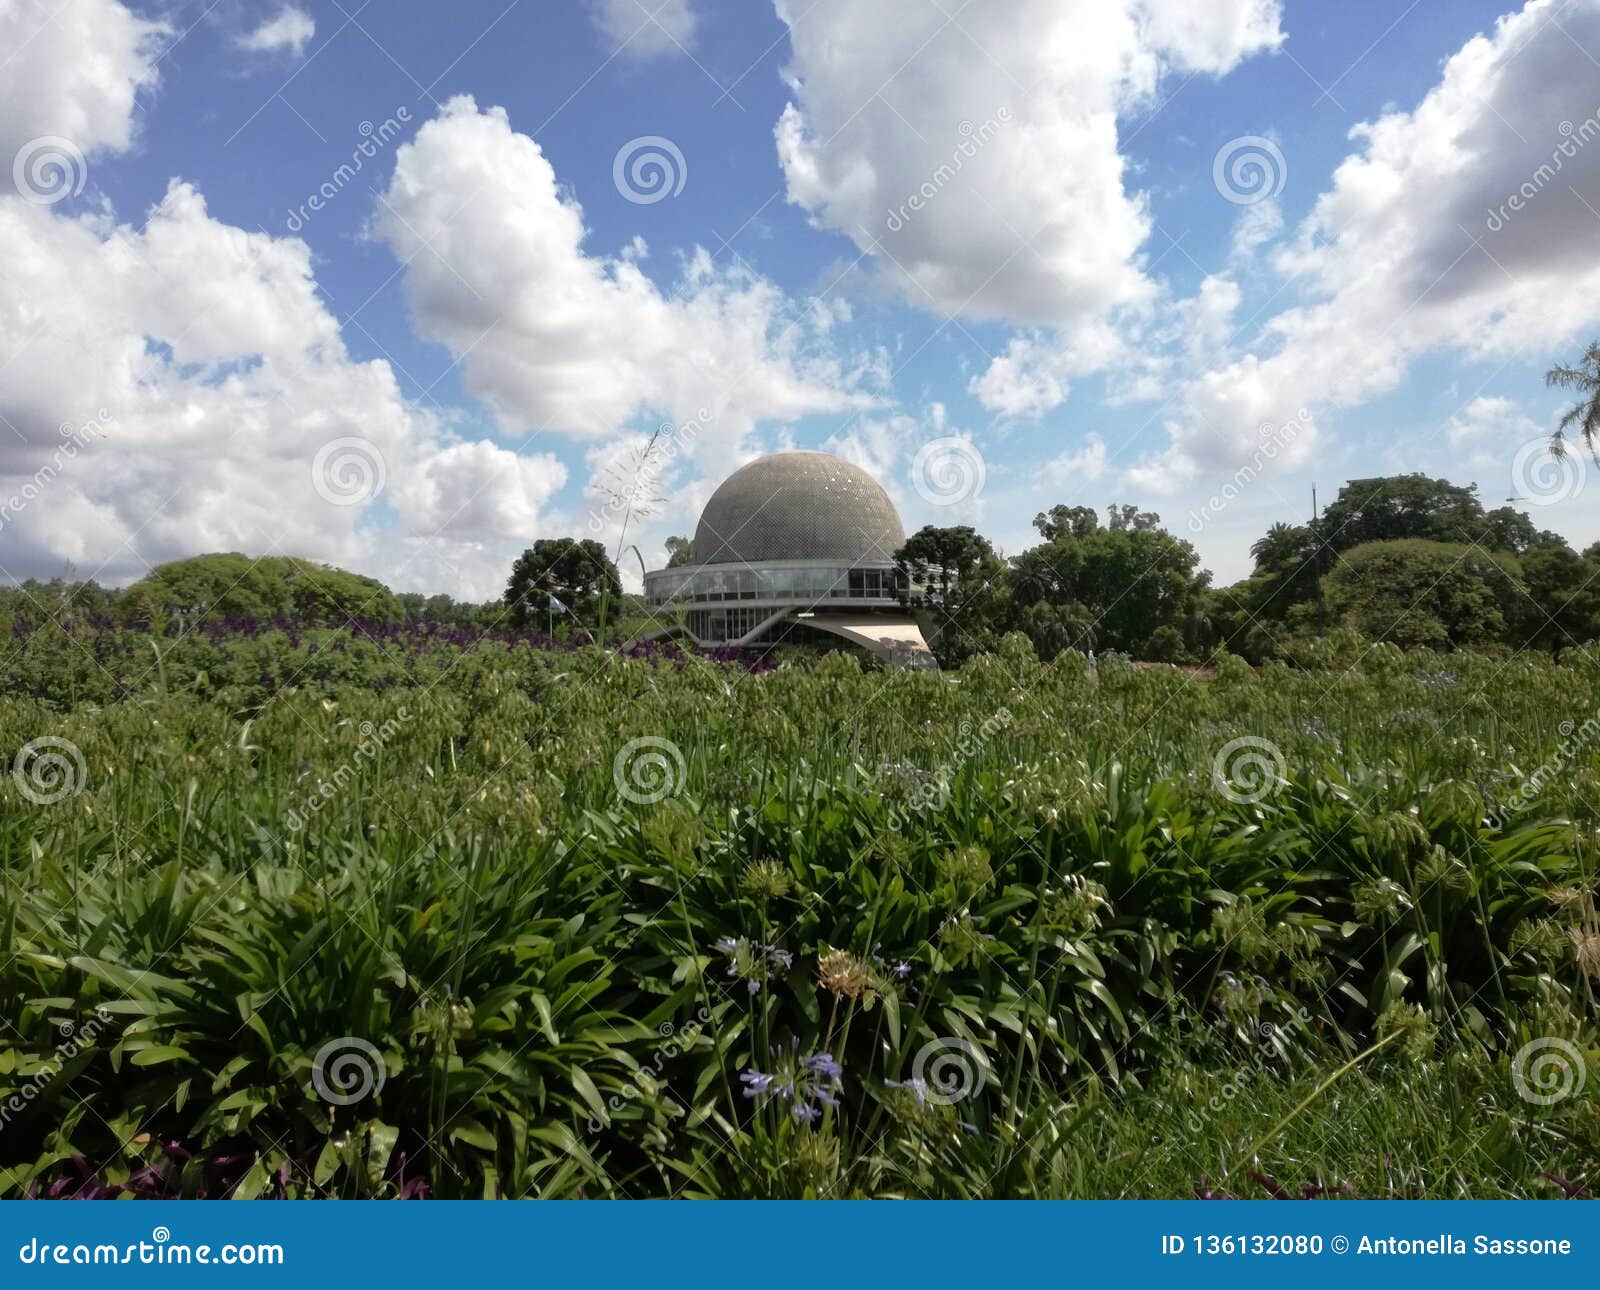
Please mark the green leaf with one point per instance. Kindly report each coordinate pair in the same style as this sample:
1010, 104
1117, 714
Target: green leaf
255, 1181
158, 1055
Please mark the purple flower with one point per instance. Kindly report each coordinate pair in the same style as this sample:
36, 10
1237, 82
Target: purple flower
751, 961
823, 1064
807, 1082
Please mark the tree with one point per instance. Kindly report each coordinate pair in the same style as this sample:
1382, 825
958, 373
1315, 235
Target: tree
575, 573
1420, 593
1054, 628
1562, 607
1389, 508
943, 561
1064, 521
1130, 519
1287, 567
267, 589
1507, 529
1276, 610
63, 600
680, 551
1121, 584
1165, 645
1585, 413
959, 583
442, 611
1284, 548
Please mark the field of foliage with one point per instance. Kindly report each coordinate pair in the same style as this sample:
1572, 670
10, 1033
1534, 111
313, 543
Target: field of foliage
431, 912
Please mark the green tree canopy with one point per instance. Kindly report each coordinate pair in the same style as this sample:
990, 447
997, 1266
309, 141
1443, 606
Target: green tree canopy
1562, 607
1275, 610
959, 589
61, 600
1066, 521
268, 588
573, 571
1389, 508
1419, 593
442, 610
943, 560
1107, 588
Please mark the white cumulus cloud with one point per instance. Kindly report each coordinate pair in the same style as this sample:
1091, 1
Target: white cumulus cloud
1465, 224
73, 71
214, 377
555, 338
974, 153
290, 30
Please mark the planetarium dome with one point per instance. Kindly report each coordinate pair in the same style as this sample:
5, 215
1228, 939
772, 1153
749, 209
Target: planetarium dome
798, 506
795, 548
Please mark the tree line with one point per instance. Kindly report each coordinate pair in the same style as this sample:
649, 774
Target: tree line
1402, 558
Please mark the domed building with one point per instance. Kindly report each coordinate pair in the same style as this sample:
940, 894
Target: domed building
793, 548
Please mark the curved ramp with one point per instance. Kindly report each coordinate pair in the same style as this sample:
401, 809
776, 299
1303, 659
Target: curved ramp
895, 640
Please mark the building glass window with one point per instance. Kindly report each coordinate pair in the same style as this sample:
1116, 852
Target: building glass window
710, 585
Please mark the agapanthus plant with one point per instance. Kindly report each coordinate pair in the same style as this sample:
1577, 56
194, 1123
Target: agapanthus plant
753, 962
807, 1084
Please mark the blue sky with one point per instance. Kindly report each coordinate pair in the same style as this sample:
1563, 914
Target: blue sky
484, 325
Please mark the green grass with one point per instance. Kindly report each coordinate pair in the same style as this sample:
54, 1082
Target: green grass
1440, 1130
1046, 883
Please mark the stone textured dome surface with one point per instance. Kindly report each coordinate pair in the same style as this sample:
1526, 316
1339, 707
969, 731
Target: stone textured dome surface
798, 506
